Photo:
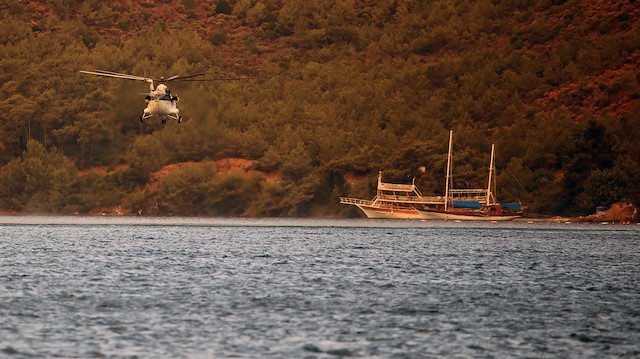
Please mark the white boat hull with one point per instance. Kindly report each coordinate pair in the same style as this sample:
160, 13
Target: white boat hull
390, 213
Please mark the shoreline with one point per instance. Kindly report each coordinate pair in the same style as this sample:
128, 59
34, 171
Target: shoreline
537, 219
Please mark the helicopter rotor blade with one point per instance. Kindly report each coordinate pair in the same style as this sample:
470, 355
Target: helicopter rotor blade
128, 76
177, 78
113, 73
220, 79
116, 74
182, 78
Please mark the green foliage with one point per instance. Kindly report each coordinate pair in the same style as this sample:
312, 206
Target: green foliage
231, 193
89, 38
219, 38
97, 190
296, 164
199, 190
268, 202
40, 180
603, 188
146, 155
184, 191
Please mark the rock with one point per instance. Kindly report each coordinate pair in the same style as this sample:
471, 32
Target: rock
619, 212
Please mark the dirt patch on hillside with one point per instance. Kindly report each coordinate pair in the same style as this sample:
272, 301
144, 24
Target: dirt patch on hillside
221, 166
174, 166
231, 164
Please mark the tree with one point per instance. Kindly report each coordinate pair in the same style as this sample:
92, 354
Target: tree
603, 188
40, 180
595, 150
223, 7
146, 155
296, 165
183, 191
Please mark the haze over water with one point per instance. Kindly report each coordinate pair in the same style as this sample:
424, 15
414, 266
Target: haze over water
203, 288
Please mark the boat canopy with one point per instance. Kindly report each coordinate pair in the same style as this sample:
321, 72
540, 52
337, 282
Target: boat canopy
466, 204
382, 186
397, 189
511, 205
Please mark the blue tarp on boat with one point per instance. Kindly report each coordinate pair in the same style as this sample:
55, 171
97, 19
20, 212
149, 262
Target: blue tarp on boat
466, 204
511, 205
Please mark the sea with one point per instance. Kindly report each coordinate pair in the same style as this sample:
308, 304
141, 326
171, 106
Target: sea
139, 287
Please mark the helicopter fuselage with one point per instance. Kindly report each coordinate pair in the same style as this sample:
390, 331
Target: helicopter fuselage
161, 103
164, 106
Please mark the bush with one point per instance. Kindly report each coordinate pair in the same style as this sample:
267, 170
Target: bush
223, 7
219, 38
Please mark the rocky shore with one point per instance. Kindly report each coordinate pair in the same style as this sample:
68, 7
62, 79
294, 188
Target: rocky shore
619, 213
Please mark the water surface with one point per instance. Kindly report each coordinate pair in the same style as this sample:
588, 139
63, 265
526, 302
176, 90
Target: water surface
203, 288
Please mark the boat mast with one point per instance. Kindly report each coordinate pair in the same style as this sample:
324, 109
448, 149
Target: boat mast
446, 191
490, 176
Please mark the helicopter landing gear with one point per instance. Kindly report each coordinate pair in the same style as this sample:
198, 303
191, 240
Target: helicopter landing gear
179, 119
141, 119
164, 121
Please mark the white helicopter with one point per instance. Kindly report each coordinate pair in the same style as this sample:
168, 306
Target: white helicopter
160, 102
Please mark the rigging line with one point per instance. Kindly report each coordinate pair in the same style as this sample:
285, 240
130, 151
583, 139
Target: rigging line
520, 184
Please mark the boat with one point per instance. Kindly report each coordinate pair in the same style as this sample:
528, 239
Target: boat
404, 201
395, 201
477, 204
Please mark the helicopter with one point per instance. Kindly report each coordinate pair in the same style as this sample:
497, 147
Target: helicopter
160, 102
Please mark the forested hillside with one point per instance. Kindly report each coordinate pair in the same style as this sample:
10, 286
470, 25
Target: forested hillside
337, 91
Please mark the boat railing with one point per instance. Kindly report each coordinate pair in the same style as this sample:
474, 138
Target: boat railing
471, 194
458, 195
411, 199
347, 200
398, 198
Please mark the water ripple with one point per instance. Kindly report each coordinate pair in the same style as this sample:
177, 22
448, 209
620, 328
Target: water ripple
323, 291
